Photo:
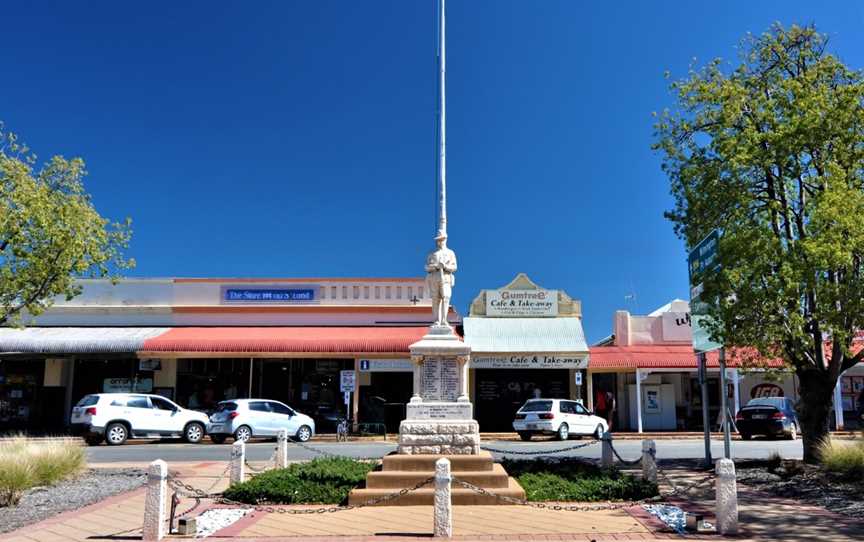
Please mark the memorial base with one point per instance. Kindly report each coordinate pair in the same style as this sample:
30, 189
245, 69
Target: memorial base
444, 437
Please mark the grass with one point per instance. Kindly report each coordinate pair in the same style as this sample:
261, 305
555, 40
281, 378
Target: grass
26, 463
320, 481
843, 457
575, 480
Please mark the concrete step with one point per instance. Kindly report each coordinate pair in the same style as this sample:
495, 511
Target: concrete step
426, 495
397, 479
426, 463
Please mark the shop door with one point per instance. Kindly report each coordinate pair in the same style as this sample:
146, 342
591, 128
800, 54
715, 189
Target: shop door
499, 393
383, 401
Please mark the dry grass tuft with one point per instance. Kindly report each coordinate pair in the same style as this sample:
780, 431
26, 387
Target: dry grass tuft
26, 463
843, 457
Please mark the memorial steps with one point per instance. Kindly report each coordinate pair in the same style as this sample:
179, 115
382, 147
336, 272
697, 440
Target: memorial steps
402, 470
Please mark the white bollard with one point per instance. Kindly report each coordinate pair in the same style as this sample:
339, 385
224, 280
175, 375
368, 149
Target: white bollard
443, 503
607, 459
154, 502
282, 449
649, 460
238, 463
727, 497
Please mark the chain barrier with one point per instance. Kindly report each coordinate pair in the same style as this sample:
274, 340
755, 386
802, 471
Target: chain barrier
322, 453
621, 459
271, 461
678, 490
539, 452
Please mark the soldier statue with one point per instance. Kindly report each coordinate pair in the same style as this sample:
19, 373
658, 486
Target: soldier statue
440, 278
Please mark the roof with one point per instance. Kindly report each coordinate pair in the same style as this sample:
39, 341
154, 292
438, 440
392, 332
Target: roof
524, 334
652, 356
376, 339
76, 340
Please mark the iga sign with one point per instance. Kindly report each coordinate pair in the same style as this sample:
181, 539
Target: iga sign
521, 302
766, 390
532, 361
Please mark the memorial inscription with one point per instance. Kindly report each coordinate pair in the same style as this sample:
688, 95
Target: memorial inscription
440, 379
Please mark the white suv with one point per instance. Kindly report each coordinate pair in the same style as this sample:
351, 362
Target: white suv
247, 418
116, 417
558, 416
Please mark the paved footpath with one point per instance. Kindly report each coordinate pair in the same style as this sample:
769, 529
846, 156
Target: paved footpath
119, 519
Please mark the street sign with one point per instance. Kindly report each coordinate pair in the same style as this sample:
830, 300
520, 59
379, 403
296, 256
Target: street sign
702, 260
347, 381
577, 377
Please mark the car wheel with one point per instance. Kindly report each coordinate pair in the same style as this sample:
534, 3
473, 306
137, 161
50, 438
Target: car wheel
218, 439
746, 436
116, 434
243, 433
598, 432
304, 433
193, 433
793, 432
93, 441
563, 432
525, 435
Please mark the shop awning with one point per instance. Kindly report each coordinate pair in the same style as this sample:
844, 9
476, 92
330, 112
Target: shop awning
663, 357
503, 335
250, 340
76, 340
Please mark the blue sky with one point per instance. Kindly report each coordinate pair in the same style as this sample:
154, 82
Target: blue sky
296, 138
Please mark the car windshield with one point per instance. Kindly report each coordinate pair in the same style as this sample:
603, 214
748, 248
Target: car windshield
88, 400
537, 406
226, 407
776, 402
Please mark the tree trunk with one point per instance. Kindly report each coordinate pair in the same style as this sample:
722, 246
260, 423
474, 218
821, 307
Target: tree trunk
817, 390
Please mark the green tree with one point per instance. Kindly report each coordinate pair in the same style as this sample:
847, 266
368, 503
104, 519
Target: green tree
50, 233
771, 151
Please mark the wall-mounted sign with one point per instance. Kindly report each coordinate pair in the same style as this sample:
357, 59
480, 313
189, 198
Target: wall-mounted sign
295, 294
386, 366
677, 327
530, 361
149, 364
127, 385
521, 303
766, 389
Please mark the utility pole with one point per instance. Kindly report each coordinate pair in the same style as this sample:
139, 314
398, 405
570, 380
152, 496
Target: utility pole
724, 404
706, 422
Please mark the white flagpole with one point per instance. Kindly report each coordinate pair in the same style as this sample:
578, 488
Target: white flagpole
442, 115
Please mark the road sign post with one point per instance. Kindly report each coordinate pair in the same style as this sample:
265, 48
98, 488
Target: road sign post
348, 385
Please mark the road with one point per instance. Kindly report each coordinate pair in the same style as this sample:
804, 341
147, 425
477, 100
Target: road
261, 451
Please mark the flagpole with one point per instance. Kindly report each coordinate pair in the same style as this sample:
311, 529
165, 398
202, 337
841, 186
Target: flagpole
442, 117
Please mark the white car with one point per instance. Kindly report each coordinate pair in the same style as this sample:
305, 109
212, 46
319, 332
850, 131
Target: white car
116, 417
557, 416
243, 419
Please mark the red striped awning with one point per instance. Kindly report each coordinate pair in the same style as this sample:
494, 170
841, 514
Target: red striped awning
651, 356
286, 339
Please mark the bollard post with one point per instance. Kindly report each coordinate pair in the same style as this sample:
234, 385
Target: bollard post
282, 449
443, 503
607, 459
238, 463
727, 497
154, 502
649, 460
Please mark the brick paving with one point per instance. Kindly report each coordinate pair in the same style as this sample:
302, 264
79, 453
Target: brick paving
762, 518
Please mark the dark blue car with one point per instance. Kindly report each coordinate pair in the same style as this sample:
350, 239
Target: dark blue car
770, 416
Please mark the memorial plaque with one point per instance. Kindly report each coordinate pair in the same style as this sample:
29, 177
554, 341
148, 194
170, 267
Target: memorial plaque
440, 411
440, 379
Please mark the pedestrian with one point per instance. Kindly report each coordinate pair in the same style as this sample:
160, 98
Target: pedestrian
600, 404
610, 409
860, 410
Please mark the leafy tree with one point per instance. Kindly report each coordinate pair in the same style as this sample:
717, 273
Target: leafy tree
772, 153
50, 233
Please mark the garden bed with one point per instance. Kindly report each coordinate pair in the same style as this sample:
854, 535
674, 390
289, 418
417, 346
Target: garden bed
89, 487
572, 479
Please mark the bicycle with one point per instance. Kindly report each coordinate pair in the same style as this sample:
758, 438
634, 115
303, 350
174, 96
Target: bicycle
342, 430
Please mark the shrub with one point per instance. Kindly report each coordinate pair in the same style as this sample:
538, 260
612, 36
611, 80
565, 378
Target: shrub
844, 458
576, 480
320, 481
774, 462
25, 463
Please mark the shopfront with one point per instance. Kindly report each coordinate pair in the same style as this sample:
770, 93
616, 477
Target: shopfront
526, 342
385, 387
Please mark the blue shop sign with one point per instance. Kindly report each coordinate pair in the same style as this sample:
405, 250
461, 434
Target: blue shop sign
268, 295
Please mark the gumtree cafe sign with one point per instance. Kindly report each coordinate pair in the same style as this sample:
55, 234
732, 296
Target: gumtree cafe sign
522, 302
530, 361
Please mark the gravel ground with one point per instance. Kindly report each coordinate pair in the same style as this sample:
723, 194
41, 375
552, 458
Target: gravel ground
92, 486
810, 484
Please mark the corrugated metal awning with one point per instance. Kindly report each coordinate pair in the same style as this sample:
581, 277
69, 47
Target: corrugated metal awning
370, 339
502, 335
657, 356
76, 340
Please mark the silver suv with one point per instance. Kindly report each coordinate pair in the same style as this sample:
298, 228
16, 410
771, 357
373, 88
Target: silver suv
243, 419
